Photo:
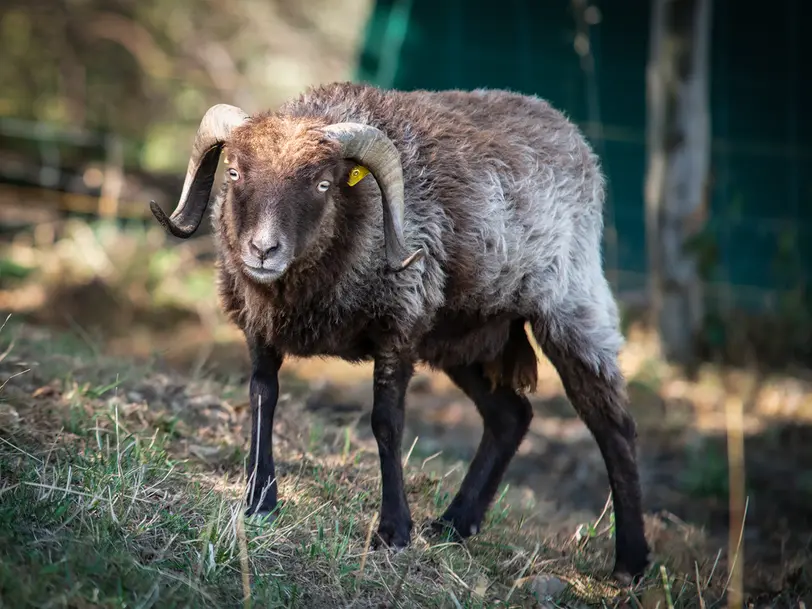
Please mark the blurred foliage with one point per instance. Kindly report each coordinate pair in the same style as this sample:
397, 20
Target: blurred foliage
11, 272
148, 70
777, 334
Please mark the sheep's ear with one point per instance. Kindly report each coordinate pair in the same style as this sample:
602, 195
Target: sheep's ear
215, 128
376, 153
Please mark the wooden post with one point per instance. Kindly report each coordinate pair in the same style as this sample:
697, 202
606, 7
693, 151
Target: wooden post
113, 182
678, 141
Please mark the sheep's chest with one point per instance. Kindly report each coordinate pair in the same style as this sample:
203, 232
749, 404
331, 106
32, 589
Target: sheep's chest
322, 331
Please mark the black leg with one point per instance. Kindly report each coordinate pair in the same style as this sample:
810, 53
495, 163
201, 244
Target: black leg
264, 392
391, 378
595, 386
506, 417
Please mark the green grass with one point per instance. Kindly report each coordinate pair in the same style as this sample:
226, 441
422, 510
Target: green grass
11, 272
103, 504
121, 482
99, 524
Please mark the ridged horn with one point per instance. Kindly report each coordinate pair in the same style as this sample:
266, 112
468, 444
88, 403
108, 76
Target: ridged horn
215, 128
371, 148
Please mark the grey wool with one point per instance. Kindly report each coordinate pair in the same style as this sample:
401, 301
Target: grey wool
478, 215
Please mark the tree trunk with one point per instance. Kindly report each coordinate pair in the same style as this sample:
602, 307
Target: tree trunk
678, 134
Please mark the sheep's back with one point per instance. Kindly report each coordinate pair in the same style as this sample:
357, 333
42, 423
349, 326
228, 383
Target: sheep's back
501, 188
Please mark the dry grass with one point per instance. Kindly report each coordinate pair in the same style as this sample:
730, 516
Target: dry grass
114, 499
121, 478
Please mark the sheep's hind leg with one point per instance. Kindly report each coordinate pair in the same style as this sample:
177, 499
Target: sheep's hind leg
582, 344
506, 417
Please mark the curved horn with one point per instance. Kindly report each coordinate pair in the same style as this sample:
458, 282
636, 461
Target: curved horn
370, 147
215, 128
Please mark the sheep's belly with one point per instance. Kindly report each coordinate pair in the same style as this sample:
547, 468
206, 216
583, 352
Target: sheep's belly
454, 339
458, 339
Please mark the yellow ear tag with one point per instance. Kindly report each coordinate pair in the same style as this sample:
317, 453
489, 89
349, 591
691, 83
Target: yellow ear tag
357, 174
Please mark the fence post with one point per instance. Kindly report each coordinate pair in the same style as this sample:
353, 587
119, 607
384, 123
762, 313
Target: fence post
678, 142
113, 183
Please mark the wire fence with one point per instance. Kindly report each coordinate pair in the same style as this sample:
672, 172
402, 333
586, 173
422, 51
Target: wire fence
756, 249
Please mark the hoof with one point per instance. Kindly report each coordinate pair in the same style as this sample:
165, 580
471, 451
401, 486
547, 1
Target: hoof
262, 515
623, 577
443, 530
395, 536
629, 573
454, 528
260, 518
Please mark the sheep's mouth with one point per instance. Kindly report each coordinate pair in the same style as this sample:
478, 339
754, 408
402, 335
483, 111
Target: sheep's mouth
262, 275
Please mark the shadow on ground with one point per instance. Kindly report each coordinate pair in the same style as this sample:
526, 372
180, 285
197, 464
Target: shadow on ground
684, 471
558, 473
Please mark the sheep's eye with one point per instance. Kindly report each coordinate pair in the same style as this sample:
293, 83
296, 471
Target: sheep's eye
323, 186
233, 174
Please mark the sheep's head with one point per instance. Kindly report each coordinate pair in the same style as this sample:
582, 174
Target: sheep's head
282, 176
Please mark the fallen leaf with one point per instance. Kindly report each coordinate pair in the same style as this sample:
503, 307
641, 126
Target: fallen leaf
46, 391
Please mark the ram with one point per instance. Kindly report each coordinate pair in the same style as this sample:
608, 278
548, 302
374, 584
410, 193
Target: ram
420, 227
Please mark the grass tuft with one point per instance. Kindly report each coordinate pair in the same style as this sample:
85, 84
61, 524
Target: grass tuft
121, 476
104, 505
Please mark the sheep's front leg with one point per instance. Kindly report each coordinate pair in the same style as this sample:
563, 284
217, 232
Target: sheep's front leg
263, 392
391, 378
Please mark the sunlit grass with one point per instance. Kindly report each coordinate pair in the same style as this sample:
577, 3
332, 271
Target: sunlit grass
121, 480
101, 505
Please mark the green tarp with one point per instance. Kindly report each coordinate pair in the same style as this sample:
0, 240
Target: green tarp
761, 210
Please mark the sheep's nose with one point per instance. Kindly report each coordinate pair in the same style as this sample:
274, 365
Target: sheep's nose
264, 248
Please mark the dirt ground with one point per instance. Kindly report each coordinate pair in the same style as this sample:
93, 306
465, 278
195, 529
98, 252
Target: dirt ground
682, 456
558, 474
